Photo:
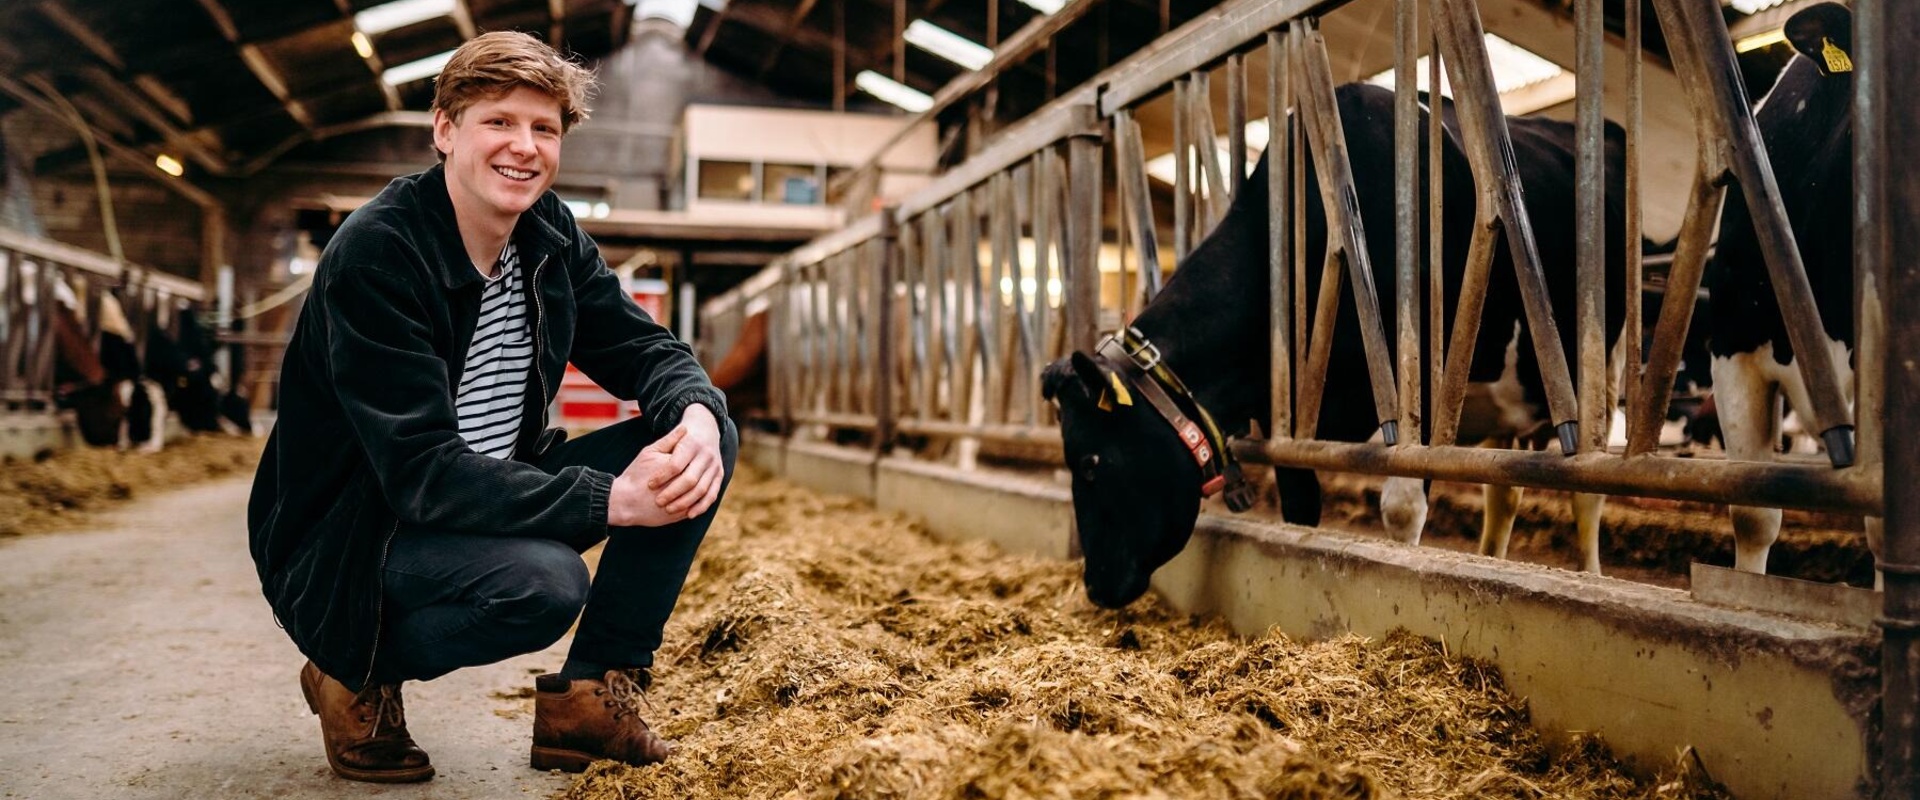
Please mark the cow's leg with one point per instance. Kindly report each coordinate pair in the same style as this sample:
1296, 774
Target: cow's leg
1586, 521
1496, 526
157, 419
1299, 491
1744, 394
1403, 508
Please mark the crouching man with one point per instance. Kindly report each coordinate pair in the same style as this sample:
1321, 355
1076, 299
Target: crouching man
412, 515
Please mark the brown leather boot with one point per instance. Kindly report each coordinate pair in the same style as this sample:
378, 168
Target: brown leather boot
579, 721
366, 733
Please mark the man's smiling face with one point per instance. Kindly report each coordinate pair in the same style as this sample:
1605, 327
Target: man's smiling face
502, 153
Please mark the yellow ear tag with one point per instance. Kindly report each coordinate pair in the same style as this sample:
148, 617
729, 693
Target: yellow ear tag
1120, 390
1105, 403
1837, 60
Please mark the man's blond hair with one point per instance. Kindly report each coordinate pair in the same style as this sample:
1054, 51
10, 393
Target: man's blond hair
493, 64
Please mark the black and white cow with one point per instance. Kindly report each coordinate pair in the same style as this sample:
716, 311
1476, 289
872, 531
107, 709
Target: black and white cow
1137, 487
1806, 122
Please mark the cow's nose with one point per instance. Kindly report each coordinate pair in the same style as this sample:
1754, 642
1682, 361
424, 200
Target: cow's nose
1116, 594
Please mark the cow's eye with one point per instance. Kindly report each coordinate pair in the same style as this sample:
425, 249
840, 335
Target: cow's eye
1089, 465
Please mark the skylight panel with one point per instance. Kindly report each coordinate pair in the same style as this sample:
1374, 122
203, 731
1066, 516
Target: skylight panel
1753, 6
399, 14
1045, 6
415, 70
881, 86
947, 44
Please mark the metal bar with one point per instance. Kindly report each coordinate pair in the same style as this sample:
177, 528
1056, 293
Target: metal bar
1082, 266
1711, 65
1891, 105
1182, 173
1200, 93
1590, 237
1490, 148
885, 366
1452, 391
1805, 486
838, 419
1137, 203
1279, 243
1342, 204
1406, 216
1002, 218
1061, 214
913, 282
1297, 180
1237, 124
1045, 208
1436, 242
1313, 380
40, 361
1632, 330
1043, 438
1649, 407
1226, 28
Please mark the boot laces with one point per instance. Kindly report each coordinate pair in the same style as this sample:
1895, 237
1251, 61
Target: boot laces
389, 713
628, 688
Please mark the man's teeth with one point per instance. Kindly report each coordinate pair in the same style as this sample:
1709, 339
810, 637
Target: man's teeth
518, 175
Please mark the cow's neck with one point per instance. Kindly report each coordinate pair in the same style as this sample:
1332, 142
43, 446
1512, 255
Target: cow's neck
1215, 344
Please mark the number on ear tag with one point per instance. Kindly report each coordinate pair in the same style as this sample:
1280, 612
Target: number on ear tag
1837, 60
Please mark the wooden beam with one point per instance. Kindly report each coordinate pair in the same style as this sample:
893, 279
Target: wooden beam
78, 30
713, 31
556, 14
128, 154
257, 63
463, 19
136, 103
792, 28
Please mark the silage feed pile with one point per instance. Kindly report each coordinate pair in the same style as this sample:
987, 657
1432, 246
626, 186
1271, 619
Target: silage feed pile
826, 650
59, 491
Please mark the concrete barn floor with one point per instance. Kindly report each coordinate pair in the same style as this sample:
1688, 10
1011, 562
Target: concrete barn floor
138, 660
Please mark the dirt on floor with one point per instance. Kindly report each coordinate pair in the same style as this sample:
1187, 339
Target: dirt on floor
57, 492
826, 650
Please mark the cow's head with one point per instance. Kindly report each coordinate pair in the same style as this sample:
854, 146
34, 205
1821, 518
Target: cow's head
1824, 34
1136, 488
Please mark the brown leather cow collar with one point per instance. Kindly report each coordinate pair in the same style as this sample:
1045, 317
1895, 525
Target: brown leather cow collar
1142, 366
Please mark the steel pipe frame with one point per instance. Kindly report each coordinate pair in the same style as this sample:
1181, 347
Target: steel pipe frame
1490, 149
1731, 147
1887, 105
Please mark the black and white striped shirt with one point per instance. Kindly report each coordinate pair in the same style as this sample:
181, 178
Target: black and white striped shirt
493, 388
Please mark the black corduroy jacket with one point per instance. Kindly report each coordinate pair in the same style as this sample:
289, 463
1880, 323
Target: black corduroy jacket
367, 441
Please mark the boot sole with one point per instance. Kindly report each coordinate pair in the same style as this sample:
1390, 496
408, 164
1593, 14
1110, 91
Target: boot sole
410, 775
552, 758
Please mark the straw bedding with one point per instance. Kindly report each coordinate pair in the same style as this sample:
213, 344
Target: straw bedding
826, 650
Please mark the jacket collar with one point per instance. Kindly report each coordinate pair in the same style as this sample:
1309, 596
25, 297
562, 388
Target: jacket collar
536, 236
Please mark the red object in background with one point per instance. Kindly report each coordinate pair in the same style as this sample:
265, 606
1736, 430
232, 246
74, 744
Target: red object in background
583, 405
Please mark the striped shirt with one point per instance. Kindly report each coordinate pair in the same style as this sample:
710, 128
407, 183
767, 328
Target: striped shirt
493, 388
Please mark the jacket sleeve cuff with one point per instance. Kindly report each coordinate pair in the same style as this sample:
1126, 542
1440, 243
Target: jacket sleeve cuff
599, 490
670, 412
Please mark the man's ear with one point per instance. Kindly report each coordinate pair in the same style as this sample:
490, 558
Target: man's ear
1824, 33
442, 131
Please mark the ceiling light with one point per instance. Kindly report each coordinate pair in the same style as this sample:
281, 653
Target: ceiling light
170, 165
679, 12
1760, 40
1045, 6
1753, 6
415, 70
947, 44
399, 14
1514, 67
361, 45
881, 86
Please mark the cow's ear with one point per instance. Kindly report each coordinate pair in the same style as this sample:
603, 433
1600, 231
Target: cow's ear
1057, 379
1824, 34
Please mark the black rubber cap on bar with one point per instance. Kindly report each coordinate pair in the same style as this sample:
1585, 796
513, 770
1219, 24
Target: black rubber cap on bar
1390, 432
1569, 437
1839, 441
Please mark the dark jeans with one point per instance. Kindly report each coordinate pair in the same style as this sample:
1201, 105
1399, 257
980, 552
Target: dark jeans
458, 600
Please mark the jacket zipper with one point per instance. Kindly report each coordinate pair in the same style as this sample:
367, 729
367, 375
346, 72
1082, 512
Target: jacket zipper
540, 342
379, 601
